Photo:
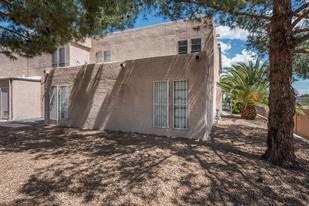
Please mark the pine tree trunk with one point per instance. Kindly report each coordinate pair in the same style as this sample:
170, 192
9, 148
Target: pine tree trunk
280, 146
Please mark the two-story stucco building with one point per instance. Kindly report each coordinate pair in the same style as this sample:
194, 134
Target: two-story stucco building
159, 79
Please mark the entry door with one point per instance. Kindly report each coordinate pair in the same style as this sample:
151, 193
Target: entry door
4, 108
59, 107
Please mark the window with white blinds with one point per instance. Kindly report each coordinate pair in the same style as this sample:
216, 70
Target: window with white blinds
53, 106
160, 104
180, 104
64, 102
59, 103
61, 57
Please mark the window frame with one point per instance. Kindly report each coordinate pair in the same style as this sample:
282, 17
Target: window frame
196, 44
187, 45
96, 59
110, 56
61, 64
187, 94
154, 104
58, 102
54, 57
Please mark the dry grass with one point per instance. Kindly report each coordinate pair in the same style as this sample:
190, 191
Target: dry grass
61, 166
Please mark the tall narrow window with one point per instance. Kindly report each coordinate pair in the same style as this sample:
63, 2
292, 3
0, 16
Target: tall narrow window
64, 102
59, 103
107, 56
180, 104
183, 47
4, 100
98, 57
196, 45
54, 59
61, 57
53, 107
160, 104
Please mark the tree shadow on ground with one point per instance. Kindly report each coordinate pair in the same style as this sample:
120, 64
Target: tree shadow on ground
114, 168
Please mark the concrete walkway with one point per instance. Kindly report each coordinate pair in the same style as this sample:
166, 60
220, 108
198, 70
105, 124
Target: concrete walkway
22, 123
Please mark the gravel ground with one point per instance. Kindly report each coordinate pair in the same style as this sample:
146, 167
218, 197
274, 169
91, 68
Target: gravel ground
63, 166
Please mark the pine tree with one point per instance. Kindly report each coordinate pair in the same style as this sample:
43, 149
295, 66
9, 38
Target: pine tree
284, 26
32, 27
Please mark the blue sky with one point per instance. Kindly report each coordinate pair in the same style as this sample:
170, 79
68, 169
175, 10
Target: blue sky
233, 44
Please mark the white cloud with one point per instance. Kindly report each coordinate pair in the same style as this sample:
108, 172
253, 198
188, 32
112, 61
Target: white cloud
228, 33
225, 47
303, 91
245, 57
305, 81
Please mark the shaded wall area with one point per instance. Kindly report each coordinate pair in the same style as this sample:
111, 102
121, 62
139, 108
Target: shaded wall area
109, 97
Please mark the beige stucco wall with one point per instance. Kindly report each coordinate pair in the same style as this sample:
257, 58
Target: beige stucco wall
26, 99
106, 96
24, 66
152, 41
301, 123
79, 55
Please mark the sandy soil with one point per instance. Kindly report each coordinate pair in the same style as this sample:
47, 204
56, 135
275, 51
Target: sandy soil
61, 166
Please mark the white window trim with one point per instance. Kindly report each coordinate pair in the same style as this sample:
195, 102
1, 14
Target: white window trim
187, 89
154, 104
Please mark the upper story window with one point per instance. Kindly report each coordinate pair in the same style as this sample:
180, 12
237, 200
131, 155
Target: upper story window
61, 57
183, 47
107, 56
196, 45
54, 59
98, 57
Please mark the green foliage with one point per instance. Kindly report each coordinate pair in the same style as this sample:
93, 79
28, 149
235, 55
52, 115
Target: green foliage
252, 15
247, 84
32, 27
237, 107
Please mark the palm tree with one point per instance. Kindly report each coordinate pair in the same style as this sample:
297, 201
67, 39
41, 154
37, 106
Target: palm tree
247, 84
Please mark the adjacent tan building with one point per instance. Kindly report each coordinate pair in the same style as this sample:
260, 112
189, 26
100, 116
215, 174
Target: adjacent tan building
20, 98
159, 80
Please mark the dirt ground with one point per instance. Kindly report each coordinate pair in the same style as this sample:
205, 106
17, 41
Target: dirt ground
60, 166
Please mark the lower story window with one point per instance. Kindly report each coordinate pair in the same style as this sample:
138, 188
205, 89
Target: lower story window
59, 103
160, 104
180, 105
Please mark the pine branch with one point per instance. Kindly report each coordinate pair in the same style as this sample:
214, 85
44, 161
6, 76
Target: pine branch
298, 19
5, 14
297, 31
302, 7
12, 31
218, 8
302, 51
301, 39
252, 15
277, 7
